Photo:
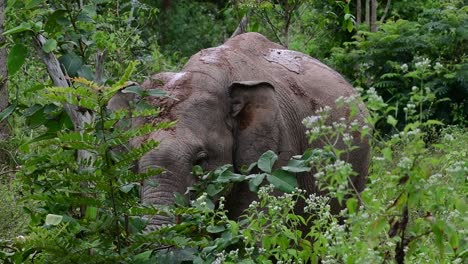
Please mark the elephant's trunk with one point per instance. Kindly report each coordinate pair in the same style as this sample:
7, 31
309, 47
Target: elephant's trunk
175, 179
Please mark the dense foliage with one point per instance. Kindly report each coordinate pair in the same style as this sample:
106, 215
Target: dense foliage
62, 208
430, 52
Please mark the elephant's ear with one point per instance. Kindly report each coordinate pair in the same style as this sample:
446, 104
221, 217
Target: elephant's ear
258, 123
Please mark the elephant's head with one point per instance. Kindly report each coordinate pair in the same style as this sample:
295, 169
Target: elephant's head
218, 122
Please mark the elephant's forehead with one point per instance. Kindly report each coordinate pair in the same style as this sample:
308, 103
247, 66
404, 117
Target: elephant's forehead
203, 104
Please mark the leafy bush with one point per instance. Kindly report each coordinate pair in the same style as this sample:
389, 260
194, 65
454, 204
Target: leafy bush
186, 27
85, 209
429, 53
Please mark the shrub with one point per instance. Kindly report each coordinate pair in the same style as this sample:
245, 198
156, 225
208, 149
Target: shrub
429, 53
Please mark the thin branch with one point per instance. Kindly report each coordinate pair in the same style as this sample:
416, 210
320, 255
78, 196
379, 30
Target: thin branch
387, 8
242, 27
272, 26
130, 17
7, 172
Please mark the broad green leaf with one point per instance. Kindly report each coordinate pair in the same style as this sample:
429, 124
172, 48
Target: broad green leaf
152, 183
156, 92
215, 229
266, 161
213, 190
72, 63
391, 120
16, 58
255, 182
229, 176
127, 187
8, 111
377, 226
180, 200
50, 45
22, 27
350, 25
53, 219
433, 122
134, 89
283, 181
247, 170
86, 72
387, 153
30, 4
56, 21
296, 166
91, 212
352, 204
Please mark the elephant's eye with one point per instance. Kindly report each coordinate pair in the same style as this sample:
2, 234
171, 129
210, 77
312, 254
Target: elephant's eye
201, 157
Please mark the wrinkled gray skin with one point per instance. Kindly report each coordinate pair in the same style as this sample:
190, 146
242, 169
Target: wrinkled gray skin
235, 102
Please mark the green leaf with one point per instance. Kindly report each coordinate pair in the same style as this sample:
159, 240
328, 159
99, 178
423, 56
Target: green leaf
50, 45
283, 180
266, 161
352, 204
56, 21
296, 166
8, 111
391, 120
156, 92
255, 182
350, 25
213, 189
180, 200
247, 170
30, 4
152, 183
91, 212
134, 89
127, 187
72, 63
433, 122
22, 27
197, 170
215, 229
16, 58
53, 219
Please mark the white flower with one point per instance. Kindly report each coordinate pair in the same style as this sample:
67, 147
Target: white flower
319, 175
347, 138
414, 88
404, 67
310, 121
438, 66
405, 163
448, 137
424, 64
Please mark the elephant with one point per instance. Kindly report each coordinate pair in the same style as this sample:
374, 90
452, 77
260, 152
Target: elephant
232, 103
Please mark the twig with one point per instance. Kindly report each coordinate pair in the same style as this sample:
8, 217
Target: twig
8, 172
400, 248
387, 7
242, 27
272, 26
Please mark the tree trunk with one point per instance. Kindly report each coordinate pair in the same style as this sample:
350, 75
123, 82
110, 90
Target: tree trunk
4, 130
358, 12
367, 12
373, 19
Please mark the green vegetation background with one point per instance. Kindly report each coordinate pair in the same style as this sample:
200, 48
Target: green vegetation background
413, 75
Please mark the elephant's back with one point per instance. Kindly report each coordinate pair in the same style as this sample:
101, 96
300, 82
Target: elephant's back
252, 57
